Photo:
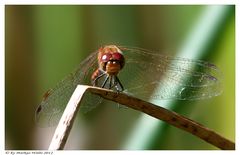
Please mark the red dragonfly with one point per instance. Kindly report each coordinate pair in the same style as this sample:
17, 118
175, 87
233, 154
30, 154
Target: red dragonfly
140, 72
110, 62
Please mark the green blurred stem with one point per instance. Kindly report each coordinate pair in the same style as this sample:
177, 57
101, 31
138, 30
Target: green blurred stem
197, 44
172, 118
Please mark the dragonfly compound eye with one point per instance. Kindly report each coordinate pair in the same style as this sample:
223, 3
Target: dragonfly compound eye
117, 56
106, 57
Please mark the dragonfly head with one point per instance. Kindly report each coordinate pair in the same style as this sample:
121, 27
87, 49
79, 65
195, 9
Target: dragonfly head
110, 59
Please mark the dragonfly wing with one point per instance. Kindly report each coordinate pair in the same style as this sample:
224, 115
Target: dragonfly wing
55, 100
144, 71
175, 78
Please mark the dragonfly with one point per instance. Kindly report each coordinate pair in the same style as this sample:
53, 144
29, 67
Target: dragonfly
134, 71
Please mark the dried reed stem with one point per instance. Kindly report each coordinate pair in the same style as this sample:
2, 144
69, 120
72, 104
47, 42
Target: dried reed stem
181, 122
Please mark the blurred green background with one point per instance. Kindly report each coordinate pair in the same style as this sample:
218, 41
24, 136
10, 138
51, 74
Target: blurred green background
45, 43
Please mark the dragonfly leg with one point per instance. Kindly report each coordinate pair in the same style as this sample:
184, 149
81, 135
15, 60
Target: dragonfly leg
95, 81
119, 88
115, 84
105, 81
110, 82
117, 81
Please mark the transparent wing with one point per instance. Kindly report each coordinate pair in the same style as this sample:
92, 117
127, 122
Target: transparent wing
144, 71
54, 101
175, 78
